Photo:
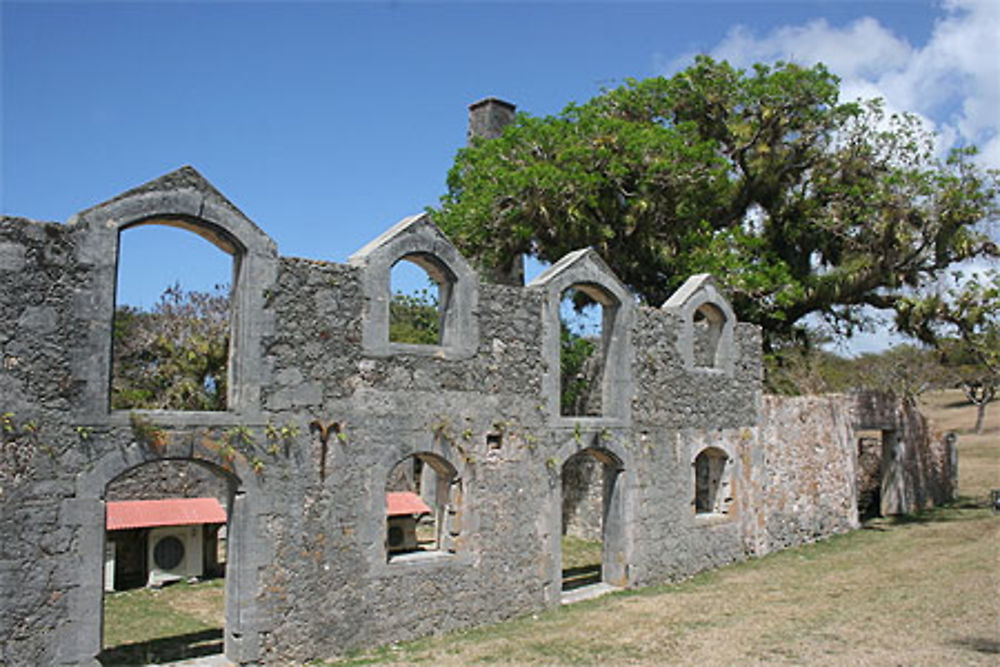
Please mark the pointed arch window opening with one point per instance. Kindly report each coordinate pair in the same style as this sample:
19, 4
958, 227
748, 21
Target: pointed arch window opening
420, 292
586, 317
708, 322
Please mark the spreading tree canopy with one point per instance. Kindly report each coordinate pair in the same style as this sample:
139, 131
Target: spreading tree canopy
798, 203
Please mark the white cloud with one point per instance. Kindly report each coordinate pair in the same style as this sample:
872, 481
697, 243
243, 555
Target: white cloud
952, 81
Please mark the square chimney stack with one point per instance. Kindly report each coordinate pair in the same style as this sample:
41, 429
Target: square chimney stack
488, 117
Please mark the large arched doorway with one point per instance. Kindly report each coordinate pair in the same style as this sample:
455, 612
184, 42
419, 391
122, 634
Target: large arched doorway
167, 537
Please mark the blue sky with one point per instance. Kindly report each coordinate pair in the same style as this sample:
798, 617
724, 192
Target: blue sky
328, 122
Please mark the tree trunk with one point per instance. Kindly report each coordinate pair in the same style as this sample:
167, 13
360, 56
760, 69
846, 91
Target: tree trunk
980, 416
979, 394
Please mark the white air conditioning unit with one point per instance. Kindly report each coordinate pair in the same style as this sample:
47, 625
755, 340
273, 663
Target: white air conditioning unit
175, 552
402, 533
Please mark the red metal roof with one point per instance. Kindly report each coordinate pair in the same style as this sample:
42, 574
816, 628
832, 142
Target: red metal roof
124, 514
399, 503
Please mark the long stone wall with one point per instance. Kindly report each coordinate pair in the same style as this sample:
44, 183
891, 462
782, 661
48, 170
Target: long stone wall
309, 573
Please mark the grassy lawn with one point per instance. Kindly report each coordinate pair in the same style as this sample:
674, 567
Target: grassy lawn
920, 590
171, 623
581, 562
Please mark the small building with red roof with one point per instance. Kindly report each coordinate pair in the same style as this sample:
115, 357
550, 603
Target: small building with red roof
152, 542
403, 510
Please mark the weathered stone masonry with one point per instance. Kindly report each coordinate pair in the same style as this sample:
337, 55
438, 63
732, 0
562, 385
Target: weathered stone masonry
308, 570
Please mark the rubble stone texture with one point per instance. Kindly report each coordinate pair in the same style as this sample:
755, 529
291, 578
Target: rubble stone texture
308, 572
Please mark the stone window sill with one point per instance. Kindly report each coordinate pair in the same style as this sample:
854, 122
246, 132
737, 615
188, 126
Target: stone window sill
419, 561
712, 518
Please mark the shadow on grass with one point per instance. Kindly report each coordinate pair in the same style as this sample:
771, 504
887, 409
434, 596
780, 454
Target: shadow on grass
168, 649
578, 577
963, 509
979, 645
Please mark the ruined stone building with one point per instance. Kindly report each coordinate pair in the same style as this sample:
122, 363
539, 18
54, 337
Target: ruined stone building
696, 466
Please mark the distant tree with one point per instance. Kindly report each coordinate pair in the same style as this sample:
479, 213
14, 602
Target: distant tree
905, 370
798, 204
963, 323
796, 368
174, 356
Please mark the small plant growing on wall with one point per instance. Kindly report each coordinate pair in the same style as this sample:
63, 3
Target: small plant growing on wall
442, 428
280, 435
147, 433
24, 435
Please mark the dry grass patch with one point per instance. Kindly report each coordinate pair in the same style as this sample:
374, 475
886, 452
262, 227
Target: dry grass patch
978, 453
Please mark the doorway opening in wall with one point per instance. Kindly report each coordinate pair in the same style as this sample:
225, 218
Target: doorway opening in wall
172, 320
419, 290
591, 525
583, 319
869, 481
165, 557
423, 497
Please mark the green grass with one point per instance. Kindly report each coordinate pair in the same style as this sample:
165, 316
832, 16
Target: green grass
171, 623
577, 552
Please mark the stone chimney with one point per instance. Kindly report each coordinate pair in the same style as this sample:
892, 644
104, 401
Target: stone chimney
487, 118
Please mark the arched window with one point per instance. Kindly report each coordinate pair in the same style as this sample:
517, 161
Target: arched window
587, 320
711, 482
419, 302
397, 321
172, 322
586, 314
185, 201
423, 497
707, 323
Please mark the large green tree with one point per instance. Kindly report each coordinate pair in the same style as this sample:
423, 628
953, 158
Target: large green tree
798, 203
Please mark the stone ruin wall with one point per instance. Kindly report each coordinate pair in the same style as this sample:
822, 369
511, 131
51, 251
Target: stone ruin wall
308, 574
